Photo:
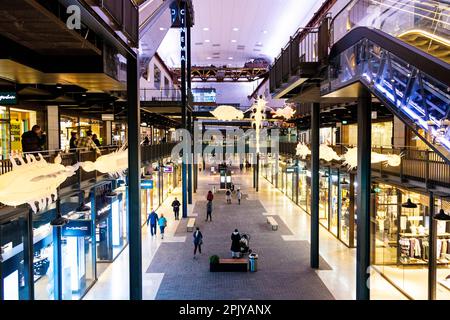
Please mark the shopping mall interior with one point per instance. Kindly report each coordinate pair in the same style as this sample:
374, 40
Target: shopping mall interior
140, 139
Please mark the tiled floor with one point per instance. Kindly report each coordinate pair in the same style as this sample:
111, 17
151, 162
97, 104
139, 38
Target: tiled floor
339, 280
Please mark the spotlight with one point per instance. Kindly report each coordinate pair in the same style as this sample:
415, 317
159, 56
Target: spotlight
442, 216
59, 221
409, 204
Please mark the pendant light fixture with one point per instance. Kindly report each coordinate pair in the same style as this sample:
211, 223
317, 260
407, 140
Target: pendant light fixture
409, 204
59, 221
343, 181
442, 216
325, 175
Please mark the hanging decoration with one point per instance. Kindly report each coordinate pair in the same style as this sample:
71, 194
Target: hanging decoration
351, 158
327, 153
287, 112
33, 181
302, 150
227, 113
115, 164
258, 116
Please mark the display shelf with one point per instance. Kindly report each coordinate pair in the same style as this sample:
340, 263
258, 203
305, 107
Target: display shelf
423, 235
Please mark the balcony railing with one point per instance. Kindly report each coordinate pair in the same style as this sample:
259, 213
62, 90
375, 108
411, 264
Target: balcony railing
419, 165
160, 95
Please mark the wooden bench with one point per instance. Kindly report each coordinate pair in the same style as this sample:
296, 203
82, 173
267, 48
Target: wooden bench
273, 223
230, 265
190, 225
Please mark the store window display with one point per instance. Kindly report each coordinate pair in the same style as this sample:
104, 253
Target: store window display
14, 275
345, 208
324, 196
442, 251
334, 202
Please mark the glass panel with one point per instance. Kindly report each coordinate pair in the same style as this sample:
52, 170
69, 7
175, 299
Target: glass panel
344, 224
14, 274
334, 212
324, 197
5, 135
443, 252
44, 263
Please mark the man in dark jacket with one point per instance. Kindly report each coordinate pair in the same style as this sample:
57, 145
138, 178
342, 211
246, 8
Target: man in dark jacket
73, 140
152, 220
176, 208
198, 241
235, 244
208, 210
34, 140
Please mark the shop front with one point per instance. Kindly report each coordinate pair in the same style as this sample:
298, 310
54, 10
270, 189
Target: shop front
80, 125
402, 242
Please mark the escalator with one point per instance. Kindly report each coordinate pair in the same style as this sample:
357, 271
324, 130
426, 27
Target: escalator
400, 50
414, 85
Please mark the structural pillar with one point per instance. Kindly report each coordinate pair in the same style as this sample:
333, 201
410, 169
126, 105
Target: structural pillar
315, 141
432, 254
189, 85
363, 197
134, 178
257, 172
53, 135
184, 102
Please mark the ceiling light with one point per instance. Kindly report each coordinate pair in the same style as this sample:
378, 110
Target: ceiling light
233, 41
207, 41
162, 29
235, 29
58, 86
409, 204
442, 216
265, 31
230, 58
208, 58
206, 29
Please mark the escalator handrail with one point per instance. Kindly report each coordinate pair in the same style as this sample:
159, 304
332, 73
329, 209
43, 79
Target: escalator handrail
423, 61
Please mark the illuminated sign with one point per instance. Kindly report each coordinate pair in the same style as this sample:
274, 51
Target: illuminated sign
146, 184
168, 169
77, 228
8, 98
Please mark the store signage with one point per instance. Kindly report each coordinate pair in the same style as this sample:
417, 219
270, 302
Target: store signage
8, 98
77, 228
291, 169
168, 169
108, 117
104, 210
146, 184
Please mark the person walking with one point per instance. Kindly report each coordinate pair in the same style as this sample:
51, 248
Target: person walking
239, 196
198, 241
34, 140
228, 196
210, 196
176, 208
235, 244
162, 225
209, 210
152, 220
73, 139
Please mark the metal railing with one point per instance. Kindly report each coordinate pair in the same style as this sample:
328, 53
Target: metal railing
420, 165
160, 94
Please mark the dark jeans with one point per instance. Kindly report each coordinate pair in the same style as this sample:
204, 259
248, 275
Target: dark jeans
199, 246
208, 214
177, 213
153, 229
161, 228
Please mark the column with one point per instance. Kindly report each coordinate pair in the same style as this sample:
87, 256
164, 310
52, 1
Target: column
363, 198
108, 130
189, 85
432, 253
184, 108
134, 177
53, 128
315, 141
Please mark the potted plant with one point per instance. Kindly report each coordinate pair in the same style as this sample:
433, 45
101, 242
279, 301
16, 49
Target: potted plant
214, 263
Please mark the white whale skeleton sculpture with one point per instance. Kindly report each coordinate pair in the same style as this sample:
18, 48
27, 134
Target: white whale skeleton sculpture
350, 158
33, 181
115, 164
38, 180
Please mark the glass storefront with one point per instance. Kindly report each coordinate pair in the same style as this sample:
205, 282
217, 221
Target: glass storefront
324, 193
14, 262
79, 125
334, 202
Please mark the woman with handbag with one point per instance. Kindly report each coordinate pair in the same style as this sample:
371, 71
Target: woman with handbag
162, 225
198, 241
